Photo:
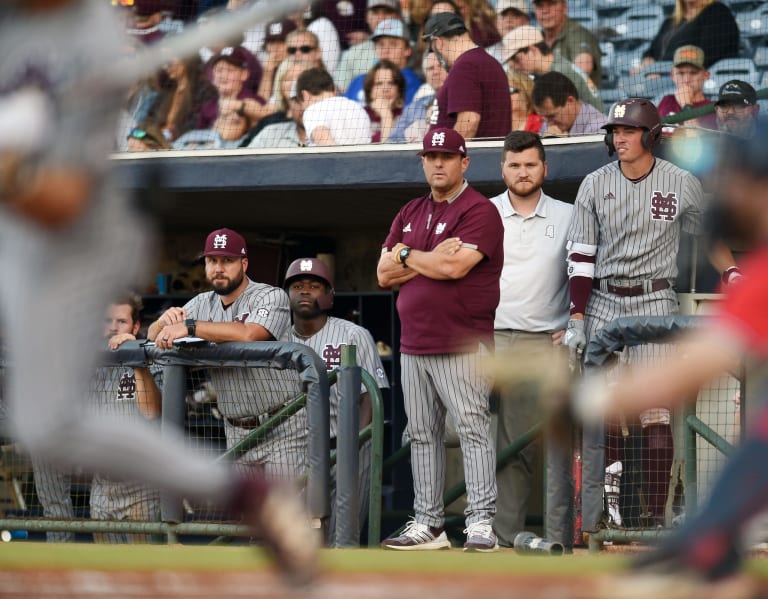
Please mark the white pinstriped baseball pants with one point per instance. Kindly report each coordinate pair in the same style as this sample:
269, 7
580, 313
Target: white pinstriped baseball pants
455, 383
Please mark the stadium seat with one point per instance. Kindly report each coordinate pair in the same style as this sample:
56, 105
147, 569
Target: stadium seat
741, 6
628, 54
654, 80
761, 58
754, 23
586, 17
608, 63
668, 6
640, 22
609, 12
731, 68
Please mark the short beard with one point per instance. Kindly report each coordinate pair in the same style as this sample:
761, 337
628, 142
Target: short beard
227, 289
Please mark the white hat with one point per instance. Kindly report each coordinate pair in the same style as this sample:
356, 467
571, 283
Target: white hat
521, 6
519, 38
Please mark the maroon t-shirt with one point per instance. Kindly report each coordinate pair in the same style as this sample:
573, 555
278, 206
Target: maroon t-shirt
476, 83
376, 122
669, 105
451, 316
210, 110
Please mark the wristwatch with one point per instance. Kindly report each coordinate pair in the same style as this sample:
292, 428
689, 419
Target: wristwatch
191, 325
403, 255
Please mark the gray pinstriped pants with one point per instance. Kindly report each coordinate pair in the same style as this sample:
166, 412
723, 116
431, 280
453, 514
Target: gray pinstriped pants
455, 383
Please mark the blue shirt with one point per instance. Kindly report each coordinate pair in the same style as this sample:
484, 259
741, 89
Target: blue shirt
412, 84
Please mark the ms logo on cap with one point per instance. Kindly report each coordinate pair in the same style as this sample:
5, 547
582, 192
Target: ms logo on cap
438, 139
619, 110
220, 242
305, 266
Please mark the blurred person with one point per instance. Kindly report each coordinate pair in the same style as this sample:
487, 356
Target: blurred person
285, 134
570, 38
556, 100
304, 45
413, 123
384, 88
446, 244
524, 117
147, 137
228, 131
309, 284
358, 58
149, 21
183, 90
509, 14
480, 19
230, 72
327, 38
706, 24
689, 76
525, 50
348, 17
276, 51
474, 100
737, 108
61, 210
329, 119
391, 43
530, 319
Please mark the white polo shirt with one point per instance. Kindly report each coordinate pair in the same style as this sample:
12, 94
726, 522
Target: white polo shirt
534, 280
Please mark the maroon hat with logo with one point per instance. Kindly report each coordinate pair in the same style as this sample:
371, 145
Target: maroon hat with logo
277, 31
235, 55
225, 242
444, 140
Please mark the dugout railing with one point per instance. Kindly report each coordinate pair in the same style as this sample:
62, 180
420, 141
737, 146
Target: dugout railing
312, 393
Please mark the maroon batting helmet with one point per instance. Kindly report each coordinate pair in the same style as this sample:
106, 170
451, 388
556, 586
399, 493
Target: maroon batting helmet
312, 267
634, 112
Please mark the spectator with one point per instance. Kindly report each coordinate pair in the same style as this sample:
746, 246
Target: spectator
330, 120
509, 14
689, 75
480, 20
412, 124
525, 50
285, 134
707, 24
309, 284
446, 244
239, 309
147, 136
184, 90
228, 132
360, 57
474, 100
326, 36
556, 99
572, 40
139, 99
149, 21
737, 108
348, 17
276, 51
524, 117
384, 98
391, 43
304, 45
530, 320
430, 9
230, 72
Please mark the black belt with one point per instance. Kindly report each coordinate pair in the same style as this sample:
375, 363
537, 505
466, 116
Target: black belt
251, 422
632, 290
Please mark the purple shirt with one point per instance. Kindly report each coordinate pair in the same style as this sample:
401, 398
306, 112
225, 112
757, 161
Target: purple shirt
451, 316
476, 83
669, 105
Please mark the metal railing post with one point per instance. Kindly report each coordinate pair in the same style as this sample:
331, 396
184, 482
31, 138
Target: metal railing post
172, 420
347, 450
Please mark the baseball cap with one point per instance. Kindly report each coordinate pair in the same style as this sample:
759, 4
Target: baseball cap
442, 139
391, 28
393, 4
692, 55
236, 55
520, 6
225, 242
145, 8
519, 38
442, 23
736, 92
277, 31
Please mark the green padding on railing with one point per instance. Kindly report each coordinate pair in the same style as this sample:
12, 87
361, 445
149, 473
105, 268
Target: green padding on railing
699, 111
710, 436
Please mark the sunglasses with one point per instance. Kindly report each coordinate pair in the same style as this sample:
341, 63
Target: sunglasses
302, 49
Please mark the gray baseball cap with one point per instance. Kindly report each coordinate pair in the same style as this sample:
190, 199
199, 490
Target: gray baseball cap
393, 4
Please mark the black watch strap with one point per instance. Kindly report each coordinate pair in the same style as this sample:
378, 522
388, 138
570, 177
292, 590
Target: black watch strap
191, 325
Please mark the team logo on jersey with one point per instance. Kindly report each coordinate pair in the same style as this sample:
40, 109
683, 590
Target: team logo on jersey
262, 312
439, 228
407, 228
664, 206
435, 113
126, 390
609, 196
332, 356
550, 231
243, 316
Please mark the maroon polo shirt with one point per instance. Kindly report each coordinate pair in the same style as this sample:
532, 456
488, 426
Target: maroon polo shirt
452, 316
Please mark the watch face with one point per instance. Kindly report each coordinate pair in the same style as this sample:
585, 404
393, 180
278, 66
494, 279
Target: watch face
404, 253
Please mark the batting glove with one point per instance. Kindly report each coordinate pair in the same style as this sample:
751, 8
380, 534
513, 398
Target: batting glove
574, 336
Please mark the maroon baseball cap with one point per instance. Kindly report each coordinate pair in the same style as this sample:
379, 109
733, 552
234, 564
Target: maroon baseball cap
144, 8
225, 242
235, 55
445, 140
277, 31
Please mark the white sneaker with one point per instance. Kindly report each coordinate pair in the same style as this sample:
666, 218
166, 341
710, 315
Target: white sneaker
418, 537
480, 537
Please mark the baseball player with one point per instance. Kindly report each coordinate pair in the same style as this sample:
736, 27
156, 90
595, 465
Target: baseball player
709, 544
622, 247
239, 309
68, 239
309, 284
445, 252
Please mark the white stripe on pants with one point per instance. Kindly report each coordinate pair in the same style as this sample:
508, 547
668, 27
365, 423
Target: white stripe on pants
433, 384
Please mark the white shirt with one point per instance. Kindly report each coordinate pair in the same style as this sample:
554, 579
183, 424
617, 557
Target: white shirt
534, 280
347, 120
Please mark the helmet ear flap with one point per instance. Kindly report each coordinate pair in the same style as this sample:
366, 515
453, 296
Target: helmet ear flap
651, 137
608, 139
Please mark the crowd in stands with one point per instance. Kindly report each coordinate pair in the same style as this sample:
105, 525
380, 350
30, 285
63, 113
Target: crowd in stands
566, 62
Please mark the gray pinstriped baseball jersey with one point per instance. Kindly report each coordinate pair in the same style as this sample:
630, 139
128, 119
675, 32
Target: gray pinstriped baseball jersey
636, 226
